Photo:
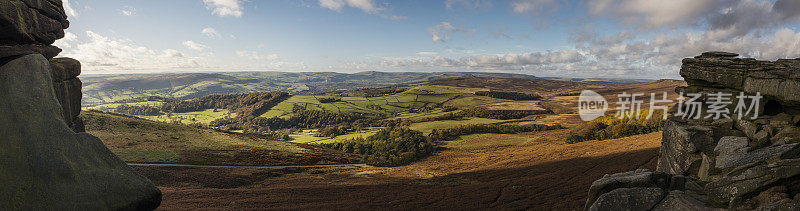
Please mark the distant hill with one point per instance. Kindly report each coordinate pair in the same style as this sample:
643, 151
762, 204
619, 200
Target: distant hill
101, 89
542, 86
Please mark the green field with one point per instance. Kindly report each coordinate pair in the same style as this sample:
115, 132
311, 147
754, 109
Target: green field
307, 136
395, 105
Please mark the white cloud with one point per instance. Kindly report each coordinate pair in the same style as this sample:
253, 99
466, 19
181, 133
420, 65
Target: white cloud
508, 61
426, 53
651, 14
468, 4
534, 6
210, 32
66, 42
367, 6
68, 9
172, 53
442, 31
335, 5
253, 55
194, 46
101, 54
224, 8
128, 11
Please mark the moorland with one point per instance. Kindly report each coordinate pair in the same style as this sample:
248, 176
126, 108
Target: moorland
434, 141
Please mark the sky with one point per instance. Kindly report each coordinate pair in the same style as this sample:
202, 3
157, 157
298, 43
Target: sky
579, 38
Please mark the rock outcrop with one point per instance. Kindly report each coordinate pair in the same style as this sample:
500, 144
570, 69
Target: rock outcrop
730, 163
47, 162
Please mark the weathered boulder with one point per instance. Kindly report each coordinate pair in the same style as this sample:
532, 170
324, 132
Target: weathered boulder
48, 51
681, 147
629, 199
47, 166
750, 178
730, 144
680, 200
67, 86
741, 158
31, 21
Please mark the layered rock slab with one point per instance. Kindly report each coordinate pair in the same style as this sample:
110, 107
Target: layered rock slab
47, 166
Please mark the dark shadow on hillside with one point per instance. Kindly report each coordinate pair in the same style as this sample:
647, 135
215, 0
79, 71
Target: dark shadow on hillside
560, 185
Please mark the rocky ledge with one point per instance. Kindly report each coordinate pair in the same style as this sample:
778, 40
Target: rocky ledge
47, 161
729, 163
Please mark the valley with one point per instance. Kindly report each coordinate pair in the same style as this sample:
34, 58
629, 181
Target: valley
297, 132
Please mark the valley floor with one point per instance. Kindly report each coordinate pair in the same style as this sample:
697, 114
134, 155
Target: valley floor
514, 171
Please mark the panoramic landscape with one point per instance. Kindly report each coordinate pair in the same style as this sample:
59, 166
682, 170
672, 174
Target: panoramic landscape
402, 105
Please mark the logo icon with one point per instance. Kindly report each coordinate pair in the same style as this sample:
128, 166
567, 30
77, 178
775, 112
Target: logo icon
591, 105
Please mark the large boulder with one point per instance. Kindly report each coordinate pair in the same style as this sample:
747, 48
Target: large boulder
681, 146
750, 162
750, 178
47, 166
67, 86
31, 21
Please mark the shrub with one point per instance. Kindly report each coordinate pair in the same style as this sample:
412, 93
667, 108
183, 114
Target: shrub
509, 95
388, 147
610, 127
460, 130
329, 100
332, 131
137, 110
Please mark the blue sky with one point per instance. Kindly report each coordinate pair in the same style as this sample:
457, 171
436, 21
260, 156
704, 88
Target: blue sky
598, 38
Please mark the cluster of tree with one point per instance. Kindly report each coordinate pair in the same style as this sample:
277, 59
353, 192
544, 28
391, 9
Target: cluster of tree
569, 94
499, 114
301, 118
389, 147
372, 92
460, 115
460, 130
329, 100
333, 131
144, 99
610, 127
250, 104
137, 110
509, 95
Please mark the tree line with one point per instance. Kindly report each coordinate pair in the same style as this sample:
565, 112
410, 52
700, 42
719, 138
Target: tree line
388, 147
250, 104
509, 95
460, 130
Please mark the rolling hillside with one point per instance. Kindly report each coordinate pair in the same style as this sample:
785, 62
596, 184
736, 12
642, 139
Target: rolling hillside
103, 89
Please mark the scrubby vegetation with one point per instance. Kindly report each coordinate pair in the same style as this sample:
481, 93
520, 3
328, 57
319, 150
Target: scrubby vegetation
389, 147
569, 94
137, 110
329, 100
301, 118
499, 114
460, 130
509, 95
332, 131
251, 104
610, 127
145, 99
